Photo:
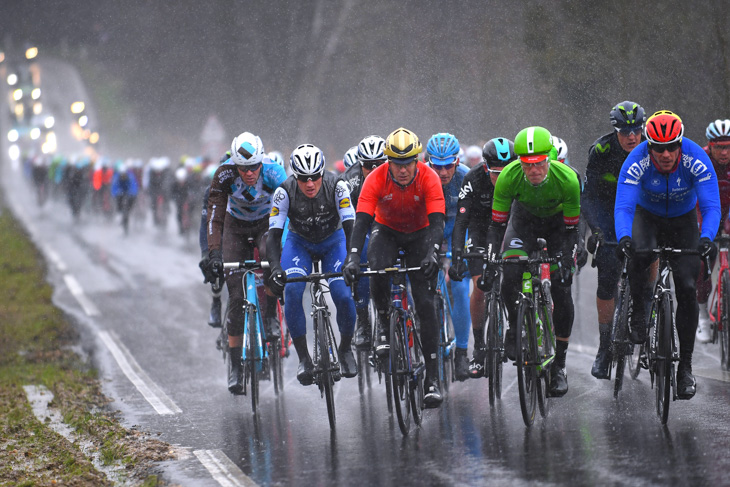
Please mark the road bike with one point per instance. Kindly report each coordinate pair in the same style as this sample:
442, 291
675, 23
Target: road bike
493, 331
535, 334
447, 339
255, 355
621, 346
406, 363
325, 357
662, 344
720, 303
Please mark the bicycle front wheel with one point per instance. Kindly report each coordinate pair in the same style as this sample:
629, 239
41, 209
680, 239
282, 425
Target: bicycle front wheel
724, 320
251, 359
326, 381
545, 346
526, 375
620, 345
493, 359
663, 359
400, 371
444, 342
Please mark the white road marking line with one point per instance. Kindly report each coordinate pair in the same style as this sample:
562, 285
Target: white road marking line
222, 469
717, 374
73, 285
137, 376
511, 384
55, 258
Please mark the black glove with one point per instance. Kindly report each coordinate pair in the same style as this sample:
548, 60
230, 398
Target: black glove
594, 240
625, 248
707, 248
214, 269
565, 268
351, 268
457, 269
582, 258
203, 264
277, 280
430, 266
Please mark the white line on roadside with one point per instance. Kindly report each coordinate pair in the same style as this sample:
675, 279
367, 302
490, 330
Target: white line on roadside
55, 258
223, 470
137, 376
73, 285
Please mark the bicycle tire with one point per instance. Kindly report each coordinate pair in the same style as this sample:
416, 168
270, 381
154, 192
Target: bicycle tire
724, 320
620, 346
250, 362
493, 364
222, 340
663, 359
281, 350
526, 379
444, 371
417, 378
399, 370
275, 365
545, 313
326, 381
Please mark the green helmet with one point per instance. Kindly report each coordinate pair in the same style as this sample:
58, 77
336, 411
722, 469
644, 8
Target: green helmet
533, 144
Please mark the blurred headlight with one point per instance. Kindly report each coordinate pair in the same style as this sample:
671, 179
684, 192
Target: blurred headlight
13, 135
35, 133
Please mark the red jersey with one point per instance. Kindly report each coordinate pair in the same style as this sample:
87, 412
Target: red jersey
723, 181
404, 209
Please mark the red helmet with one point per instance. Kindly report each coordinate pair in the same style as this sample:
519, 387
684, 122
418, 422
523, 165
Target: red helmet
664, 127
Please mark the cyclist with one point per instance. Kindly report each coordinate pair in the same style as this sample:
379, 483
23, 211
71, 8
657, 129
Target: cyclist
369, 155
475, 207
239, 203
660, 183
605, 159
442, 153
405, 199
718, 150
318, 207
350, 158
547, 205
216, 284
124, 190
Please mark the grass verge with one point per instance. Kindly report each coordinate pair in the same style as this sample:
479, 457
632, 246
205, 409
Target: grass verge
35, 348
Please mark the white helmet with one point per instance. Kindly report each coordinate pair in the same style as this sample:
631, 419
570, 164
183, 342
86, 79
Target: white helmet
247, 150
351, 157
370, 149
276, 157
473, 155
718, 128
307, 160
561, 147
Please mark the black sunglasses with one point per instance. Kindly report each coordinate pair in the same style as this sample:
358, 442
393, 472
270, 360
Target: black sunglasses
660, 148
371, 165
250, 168
312, 177
629, 130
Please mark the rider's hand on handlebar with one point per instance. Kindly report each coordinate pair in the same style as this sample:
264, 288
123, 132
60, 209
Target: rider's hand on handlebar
214, 267
277, 280
203, 264
565, 268
707, 248
457, 269
430, 266
625, 248
350, 268
594, 240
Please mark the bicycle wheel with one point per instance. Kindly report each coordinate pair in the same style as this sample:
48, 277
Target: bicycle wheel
418, 366
620, 345
724, 321
325, 364
363, 357
275, 364
399, 371
545, 346
663, 359
443, 351
221, 342
250, 362
493, 359
526, 376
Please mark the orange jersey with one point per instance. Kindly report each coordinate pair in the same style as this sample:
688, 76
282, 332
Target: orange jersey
404, 209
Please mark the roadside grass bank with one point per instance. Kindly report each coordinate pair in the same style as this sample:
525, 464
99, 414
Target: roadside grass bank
36, 348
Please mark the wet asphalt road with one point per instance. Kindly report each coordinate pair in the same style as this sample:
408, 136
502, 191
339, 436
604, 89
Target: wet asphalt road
143, 307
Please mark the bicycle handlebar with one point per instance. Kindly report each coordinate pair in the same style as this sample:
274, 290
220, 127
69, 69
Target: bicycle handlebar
315, 276
246, 264
519, 259
388, 270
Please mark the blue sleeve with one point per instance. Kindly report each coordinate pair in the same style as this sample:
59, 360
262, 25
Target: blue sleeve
629, 189
708, 192
115, 190
133, 185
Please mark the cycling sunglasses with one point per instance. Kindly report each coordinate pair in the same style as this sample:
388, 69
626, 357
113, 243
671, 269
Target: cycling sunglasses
626, 131
251, 168
443, 167
370, 165
661, 148
306, 178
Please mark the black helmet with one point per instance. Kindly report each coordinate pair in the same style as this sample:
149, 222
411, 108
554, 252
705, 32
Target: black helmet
498, 152
627, 114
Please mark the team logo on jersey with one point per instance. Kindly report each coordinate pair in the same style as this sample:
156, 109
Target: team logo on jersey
345, 203
655, 182
603, 148
462, 210
709, 176
465, 190
274, 211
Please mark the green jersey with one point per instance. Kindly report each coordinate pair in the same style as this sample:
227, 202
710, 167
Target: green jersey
559, 192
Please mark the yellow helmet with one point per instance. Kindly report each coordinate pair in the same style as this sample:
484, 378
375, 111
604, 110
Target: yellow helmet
402, 146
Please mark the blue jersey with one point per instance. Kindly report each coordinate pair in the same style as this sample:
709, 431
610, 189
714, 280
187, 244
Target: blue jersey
451, 197
668, 195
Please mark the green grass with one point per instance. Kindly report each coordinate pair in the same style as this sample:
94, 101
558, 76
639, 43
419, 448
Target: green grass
34, 349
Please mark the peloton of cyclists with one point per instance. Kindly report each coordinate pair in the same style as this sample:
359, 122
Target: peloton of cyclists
239, 204
318, 208
660, 183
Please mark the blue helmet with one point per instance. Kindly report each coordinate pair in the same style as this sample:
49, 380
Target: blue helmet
443, 149
498, 152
